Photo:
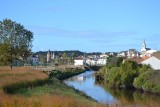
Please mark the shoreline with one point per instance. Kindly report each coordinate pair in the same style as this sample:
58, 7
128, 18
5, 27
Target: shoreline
51, 86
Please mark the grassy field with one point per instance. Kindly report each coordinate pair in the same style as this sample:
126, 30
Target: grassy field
52, 94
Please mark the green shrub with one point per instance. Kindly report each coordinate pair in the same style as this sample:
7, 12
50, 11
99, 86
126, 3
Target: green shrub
64, 75
140, 80
147, 86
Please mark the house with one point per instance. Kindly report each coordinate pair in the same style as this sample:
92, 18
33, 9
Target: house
138, 60
153, 61
132, 53
122, 54
91, 61
33, 59
102, 61
79, 61
103, 56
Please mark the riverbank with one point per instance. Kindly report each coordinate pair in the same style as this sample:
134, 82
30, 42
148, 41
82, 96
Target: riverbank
48, 92
131, 75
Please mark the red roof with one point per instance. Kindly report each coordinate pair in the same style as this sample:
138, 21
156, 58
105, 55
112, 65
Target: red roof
78, 58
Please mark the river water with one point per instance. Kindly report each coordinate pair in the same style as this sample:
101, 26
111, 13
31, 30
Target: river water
102, 93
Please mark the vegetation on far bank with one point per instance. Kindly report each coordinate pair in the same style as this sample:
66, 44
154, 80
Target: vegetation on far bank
67, 74
132, 97
129, 74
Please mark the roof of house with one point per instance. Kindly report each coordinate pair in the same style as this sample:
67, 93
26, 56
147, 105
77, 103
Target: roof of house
156, 54
138, 60
78, 58
153, 62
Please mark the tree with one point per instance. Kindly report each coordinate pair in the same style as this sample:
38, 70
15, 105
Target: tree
3, 53
72, 57
64, 55
114, 61
18, 39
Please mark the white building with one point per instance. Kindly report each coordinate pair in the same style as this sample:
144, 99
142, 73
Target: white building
153, 61
91, 62
122, 54
146, 51
99, 61
102, 61
79, 61
132, 53
103, 56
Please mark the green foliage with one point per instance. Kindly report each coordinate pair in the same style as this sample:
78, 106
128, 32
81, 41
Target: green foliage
113, 76
141, 79
123, 76
147, 86
114, 61
15, 40
128, 71
119, 61
148, 81
67, 74
3, 53
64, 55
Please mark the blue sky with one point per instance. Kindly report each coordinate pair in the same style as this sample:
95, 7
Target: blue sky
87, 25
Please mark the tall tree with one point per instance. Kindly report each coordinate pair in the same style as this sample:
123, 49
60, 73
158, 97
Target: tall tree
18, 39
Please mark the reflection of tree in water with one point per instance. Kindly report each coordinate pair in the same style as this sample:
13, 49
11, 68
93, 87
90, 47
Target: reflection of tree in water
132, 97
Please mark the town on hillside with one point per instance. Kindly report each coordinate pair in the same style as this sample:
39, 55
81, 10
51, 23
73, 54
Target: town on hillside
145, 56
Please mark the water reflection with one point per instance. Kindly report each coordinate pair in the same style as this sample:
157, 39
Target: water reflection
133, 97
104, 94
86, 83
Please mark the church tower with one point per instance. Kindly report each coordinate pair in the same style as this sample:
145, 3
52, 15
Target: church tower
48, 56
144, 45
143, 49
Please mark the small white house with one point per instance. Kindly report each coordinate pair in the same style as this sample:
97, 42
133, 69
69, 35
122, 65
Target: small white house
153, 62
101, 61
78, 61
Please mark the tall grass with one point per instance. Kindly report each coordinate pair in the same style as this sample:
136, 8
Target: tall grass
26, 77
44, 101
19, 74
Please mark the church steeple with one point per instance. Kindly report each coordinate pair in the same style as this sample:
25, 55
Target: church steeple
144, 45
144, 48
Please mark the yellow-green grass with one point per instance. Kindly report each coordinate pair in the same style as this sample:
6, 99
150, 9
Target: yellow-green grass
55, 95
19, 74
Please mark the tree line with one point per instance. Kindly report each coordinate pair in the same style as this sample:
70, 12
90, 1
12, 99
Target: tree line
15, 42
129, 74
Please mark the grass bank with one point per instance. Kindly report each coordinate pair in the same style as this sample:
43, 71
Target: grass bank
50, 92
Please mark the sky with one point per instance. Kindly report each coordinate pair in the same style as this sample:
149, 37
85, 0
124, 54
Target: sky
87, 25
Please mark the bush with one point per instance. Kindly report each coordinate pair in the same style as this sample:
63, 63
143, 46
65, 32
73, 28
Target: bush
148, 81
147, 86
140, 80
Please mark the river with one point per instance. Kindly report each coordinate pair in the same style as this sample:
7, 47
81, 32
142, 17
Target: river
102, 93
